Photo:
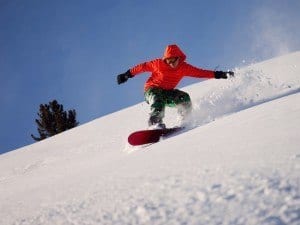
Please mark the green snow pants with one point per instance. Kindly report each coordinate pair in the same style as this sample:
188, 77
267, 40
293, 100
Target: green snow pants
159, 98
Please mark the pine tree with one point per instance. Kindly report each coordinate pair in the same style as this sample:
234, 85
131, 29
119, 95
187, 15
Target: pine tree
54, 120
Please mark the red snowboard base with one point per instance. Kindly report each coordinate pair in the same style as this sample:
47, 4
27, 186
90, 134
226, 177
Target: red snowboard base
150, 136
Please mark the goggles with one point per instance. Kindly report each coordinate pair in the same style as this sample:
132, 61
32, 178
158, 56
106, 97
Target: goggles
171, 60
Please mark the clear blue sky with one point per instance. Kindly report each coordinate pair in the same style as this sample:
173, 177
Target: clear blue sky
72, 50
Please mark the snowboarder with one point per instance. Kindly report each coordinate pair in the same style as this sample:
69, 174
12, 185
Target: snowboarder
166, 74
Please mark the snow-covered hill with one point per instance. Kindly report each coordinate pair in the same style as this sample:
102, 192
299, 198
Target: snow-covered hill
238, 164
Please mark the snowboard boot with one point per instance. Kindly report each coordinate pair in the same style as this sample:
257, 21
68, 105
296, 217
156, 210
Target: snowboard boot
155, 122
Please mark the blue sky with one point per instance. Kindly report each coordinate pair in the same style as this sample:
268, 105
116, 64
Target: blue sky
72, 51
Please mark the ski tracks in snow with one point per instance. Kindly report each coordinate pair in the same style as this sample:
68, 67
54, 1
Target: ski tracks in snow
205, 196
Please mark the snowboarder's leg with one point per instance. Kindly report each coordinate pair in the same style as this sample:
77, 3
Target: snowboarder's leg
159, 98
182, 101
156, 98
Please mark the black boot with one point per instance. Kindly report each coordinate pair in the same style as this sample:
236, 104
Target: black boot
156, 122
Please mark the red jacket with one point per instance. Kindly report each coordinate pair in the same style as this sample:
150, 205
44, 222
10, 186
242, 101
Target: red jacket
166, 77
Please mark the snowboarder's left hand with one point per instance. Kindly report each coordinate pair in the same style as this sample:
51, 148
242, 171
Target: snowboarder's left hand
223, 75
123, 77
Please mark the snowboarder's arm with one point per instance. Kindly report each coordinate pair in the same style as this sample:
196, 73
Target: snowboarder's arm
201, 73
193, 71
143, 67
140, 68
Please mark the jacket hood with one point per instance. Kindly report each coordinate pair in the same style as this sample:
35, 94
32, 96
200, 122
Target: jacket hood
174, 51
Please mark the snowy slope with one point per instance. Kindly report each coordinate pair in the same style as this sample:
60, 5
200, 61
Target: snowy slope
238, 164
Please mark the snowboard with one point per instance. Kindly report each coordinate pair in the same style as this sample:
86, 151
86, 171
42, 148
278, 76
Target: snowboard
143, 137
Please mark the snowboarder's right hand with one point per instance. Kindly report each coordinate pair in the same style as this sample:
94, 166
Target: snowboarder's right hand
123, 77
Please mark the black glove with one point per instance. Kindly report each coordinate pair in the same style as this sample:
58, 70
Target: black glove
223, 75
123, 77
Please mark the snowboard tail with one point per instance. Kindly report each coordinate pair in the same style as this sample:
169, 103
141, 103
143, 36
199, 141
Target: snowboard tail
150, 136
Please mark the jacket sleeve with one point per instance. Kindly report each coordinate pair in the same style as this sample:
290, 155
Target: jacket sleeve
193, 71
143, 67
